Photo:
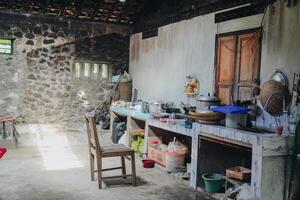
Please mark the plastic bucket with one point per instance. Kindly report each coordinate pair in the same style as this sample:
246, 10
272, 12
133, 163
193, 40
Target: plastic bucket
174, 161
213, 182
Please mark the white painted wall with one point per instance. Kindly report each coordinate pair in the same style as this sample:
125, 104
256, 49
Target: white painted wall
159, 65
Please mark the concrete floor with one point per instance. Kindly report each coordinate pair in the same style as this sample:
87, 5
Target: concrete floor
45, 171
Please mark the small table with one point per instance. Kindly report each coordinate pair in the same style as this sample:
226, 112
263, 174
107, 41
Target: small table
12, 121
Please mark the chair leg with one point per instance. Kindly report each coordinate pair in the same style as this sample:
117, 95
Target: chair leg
123, 166
99, 172
92, 165
133, 169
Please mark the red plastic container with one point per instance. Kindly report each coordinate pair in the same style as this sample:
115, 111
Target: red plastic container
2, 152
148, 163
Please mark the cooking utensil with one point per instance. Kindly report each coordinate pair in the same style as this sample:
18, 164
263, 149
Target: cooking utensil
205, 102
145, 107
154, 107
207, 116
280, 77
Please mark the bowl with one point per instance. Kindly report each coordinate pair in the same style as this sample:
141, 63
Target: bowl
147, 163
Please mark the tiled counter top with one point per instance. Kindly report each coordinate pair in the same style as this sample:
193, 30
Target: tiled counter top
271, 144
131, 112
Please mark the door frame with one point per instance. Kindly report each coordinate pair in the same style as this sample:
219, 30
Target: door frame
236, 33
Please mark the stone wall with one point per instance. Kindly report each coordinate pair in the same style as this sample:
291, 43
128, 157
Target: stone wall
36, 81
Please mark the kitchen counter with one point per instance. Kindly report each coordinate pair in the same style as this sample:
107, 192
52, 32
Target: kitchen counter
131, 112
269, 154
272, 143
269, 151
269, 157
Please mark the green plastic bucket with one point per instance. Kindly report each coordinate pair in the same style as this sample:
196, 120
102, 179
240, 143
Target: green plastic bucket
213, 182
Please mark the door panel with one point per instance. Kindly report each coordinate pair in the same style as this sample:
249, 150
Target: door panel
225, 94
247, 65
225, 67
245, 93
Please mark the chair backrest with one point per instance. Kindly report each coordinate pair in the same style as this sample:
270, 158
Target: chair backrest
93, 139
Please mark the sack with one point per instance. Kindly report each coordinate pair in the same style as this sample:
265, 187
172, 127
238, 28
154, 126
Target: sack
177, 147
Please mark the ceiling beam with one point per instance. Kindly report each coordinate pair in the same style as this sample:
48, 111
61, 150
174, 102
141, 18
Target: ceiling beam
64, 18
45, 6
97, 8
128, 5
63, 7
113, 8
79, 4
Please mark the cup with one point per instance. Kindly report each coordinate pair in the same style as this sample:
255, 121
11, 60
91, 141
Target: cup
279, 129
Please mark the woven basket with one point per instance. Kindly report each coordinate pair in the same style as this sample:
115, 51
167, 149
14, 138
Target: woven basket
274, 96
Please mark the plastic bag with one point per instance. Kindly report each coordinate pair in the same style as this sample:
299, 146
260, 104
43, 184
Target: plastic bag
177, 147
126, 77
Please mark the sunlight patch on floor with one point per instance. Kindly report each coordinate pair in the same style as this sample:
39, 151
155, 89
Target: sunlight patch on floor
59, 158
54, 148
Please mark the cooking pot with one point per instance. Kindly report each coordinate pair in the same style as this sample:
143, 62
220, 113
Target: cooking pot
205, 102
154, 107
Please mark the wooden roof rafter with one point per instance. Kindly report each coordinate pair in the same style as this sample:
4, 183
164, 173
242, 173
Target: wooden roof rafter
110, 11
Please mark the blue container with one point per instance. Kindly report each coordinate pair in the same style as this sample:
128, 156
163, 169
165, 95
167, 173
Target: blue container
230, 109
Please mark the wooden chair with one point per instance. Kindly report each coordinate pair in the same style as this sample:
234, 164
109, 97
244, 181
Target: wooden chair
98, 152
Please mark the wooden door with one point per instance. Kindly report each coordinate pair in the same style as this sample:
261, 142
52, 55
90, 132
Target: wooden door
238, 66
247, 65
225, 68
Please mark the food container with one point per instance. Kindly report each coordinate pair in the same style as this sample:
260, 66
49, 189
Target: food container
154, 107
236, 116
236, 120
148, 163
238, 172
205, 102
145, 107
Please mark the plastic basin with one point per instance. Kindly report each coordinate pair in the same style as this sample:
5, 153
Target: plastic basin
148, 163
213, 182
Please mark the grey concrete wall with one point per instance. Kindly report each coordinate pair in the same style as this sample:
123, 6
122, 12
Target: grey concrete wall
159, 65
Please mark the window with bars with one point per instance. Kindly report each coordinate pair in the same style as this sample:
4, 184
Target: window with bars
6, 46
93, 71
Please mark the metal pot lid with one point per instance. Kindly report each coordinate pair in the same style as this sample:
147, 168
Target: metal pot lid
280, 77
207, 98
